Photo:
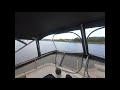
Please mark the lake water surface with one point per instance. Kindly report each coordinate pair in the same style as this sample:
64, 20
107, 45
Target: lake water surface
30, 51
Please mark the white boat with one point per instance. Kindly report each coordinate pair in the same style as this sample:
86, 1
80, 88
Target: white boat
56, 64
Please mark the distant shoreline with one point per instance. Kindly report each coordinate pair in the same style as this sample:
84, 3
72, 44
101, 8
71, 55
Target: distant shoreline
91, 40
76, 42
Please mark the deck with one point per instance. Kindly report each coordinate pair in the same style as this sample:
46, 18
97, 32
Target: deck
96, 69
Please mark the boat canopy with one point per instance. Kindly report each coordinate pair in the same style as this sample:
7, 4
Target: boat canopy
29, 25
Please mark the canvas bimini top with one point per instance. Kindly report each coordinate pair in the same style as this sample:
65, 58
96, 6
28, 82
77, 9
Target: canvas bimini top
41, 24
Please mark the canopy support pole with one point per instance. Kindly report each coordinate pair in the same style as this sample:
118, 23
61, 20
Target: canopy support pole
38, 48
84, 40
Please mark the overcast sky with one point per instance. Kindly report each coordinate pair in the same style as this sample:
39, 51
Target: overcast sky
98, 33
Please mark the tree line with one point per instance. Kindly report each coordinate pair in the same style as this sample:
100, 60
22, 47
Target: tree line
90, 40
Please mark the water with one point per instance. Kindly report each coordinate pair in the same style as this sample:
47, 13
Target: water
30, 51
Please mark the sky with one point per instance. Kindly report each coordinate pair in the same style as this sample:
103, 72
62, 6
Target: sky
98, 33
